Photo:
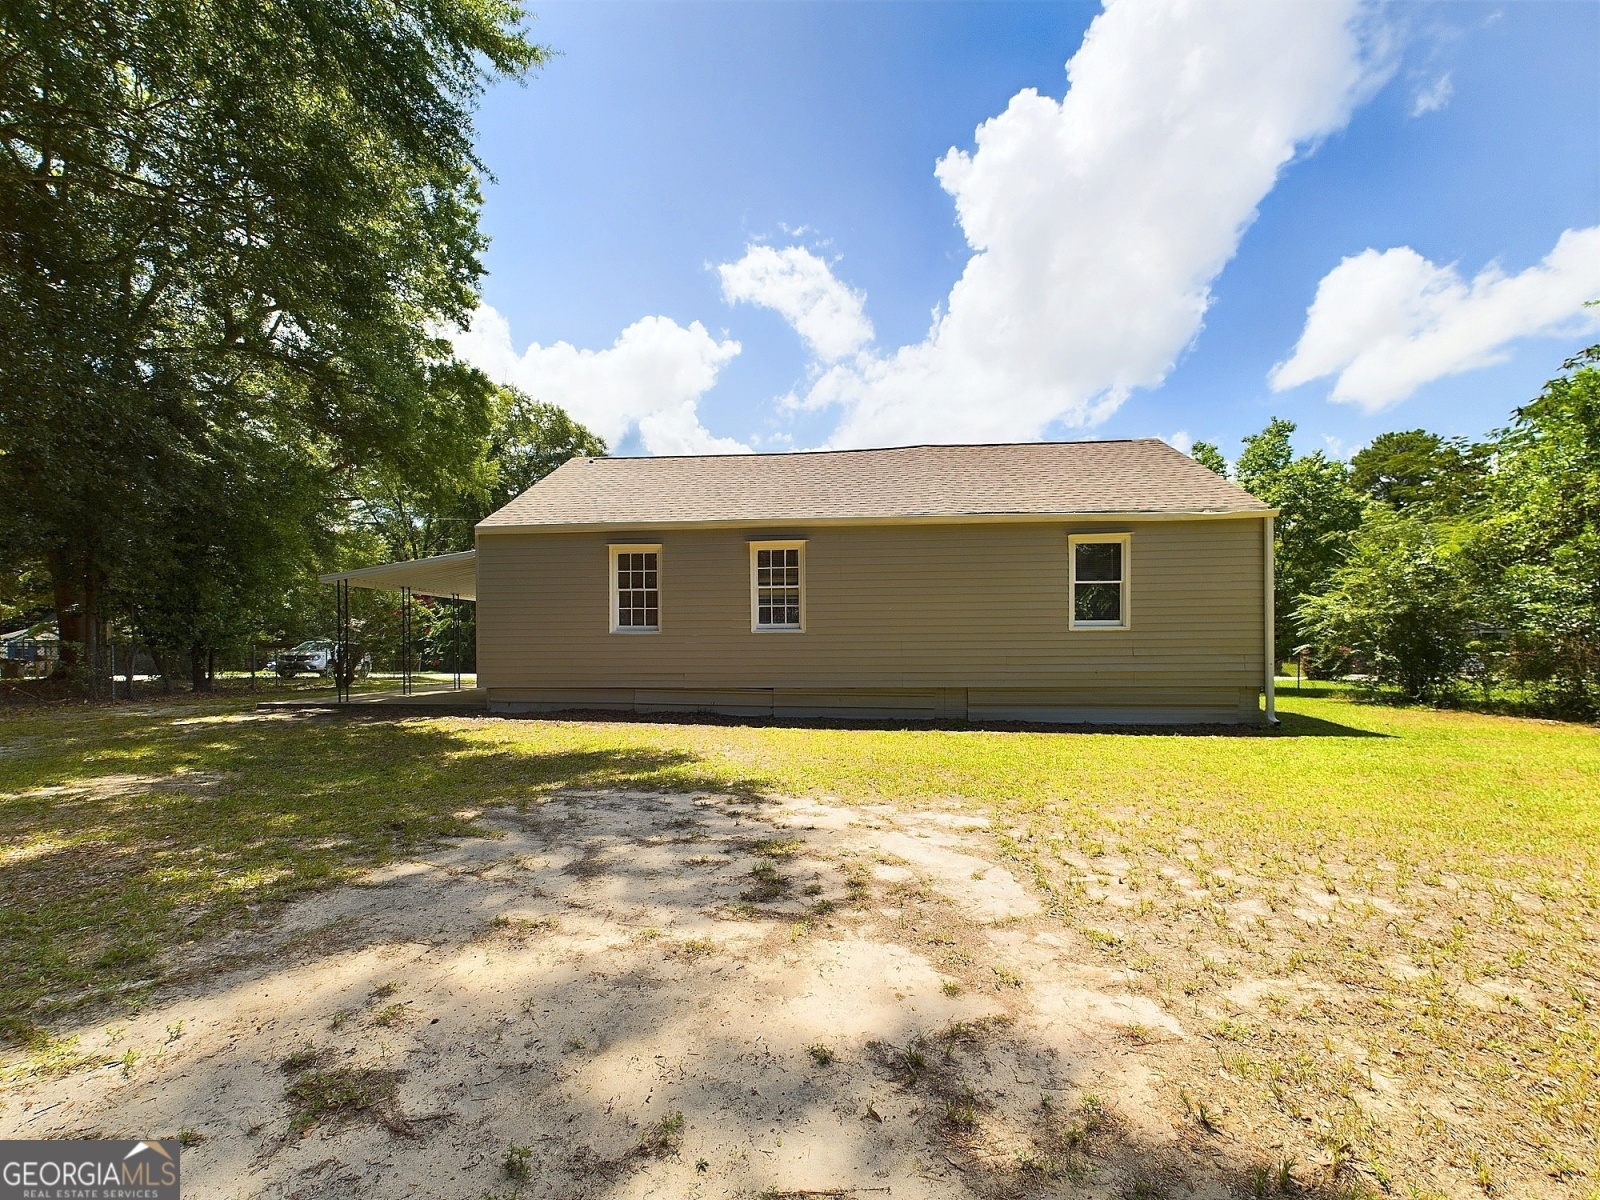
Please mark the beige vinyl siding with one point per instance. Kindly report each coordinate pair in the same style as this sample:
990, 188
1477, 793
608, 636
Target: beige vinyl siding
898, 618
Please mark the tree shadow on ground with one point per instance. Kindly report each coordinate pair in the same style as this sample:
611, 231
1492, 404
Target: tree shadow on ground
127, 839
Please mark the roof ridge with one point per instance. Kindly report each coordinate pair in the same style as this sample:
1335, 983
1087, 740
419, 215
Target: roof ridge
746, 455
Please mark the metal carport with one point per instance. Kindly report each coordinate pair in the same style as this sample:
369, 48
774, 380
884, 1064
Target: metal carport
452, 577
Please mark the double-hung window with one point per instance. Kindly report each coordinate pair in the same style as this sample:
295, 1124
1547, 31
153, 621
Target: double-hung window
1098, 567
777, 587
635, 589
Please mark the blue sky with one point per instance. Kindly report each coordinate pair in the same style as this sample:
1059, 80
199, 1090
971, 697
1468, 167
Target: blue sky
1149, 248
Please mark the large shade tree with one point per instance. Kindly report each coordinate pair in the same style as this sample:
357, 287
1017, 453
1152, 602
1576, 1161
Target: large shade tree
1317, 513
416, 514
226, 217
1535, 545
1396, 608
1414, 468
398, 514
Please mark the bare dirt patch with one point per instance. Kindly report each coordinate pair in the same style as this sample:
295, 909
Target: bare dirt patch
626, 994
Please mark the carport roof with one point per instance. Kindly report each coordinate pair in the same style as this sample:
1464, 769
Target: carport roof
442, 575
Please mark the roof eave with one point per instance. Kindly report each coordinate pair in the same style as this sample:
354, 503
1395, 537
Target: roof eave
608, 526
442, 575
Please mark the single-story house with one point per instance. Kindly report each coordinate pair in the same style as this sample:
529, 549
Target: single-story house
1105, 581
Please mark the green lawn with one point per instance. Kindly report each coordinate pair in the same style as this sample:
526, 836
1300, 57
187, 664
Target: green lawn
1467, 846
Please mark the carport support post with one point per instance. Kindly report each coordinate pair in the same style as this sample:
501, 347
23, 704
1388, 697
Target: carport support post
455, 629
405, 641
342, 672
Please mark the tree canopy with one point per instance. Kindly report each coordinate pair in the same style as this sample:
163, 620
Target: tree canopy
1210, 457
1428, 561
1534, 544
1416, 467
1396, 604
229, 236
414, 516
1317, 513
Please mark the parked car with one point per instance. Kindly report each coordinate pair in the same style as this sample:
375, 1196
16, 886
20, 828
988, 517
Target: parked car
314, 658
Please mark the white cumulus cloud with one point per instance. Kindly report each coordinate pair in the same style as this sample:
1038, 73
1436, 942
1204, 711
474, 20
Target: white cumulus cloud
1387, 323
651, 378
1098, 222
802, 289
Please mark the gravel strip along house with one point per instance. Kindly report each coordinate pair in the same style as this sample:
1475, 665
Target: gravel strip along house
1109, 581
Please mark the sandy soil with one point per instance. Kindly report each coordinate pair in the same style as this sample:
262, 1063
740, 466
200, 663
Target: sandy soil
838, 1002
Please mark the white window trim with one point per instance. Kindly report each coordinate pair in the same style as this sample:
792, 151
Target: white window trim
755, 592
1074, 540
617, 548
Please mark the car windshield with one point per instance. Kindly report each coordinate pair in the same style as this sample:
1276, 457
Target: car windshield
310, 647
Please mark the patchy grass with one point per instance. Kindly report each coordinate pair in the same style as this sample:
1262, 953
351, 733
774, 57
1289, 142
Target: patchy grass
301, 1059
390, 1015
693, 948
339, 1094
518, 1162
1384, 917
766, 884
777, 848
663, 1139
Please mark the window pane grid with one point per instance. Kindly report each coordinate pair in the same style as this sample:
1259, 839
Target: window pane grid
638, 594
1097, 583
778, 588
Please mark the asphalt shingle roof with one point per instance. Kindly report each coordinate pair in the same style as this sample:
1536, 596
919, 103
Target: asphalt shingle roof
1145, 476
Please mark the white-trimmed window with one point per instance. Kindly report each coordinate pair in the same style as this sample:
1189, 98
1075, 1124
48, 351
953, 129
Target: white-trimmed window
635, 589
1099, 575
778, 587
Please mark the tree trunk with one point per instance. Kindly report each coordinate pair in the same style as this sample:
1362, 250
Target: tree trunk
211, 669
197, 668
160, 659
91, 634
133, 648
69, 615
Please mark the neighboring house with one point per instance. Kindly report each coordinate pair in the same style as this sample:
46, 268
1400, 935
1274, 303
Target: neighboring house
26, 653
1114, 581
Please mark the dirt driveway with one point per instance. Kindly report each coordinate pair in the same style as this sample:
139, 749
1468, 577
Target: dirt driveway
629, 994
